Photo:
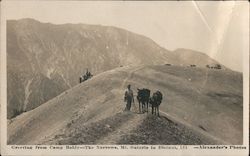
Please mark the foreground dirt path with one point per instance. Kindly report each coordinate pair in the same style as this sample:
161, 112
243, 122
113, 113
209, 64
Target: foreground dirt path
127, 126
106, 131
125, 129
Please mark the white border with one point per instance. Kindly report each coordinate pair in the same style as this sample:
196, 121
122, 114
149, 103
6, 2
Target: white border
7, 149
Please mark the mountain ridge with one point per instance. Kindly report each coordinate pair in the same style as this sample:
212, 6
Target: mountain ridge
204, 104
59, 54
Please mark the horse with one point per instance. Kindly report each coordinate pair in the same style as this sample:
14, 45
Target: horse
155, 101
143, 96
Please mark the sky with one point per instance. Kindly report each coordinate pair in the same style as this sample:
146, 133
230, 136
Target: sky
219, 29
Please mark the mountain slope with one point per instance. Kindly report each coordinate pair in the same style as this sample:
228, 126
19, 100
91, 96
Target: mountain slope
59, 54
203, 105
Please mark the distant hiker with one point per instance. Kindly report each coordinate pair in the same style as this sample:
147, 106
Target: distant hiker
80, 79
129, 98
87, 73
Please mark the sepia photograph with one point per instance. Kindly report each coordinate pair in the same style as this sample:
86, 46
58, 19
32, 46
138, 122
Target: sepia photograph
118, 75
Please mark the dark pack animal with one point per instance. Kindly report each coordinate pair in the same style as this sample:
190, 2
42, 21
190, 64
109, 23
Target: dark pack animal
155, 102
143, 96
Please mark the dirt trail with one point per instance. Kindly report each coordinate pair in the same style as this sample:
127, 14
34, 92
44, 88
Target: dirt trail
130, 124
130, 74
125, 129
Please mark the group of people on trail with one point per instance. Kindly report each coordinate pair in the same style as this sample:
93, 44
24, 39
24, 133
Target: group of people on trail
144, 99
85, 76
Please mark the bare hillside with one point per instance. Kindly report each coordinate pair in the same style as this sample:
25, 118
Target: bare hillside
48, 58
199, 107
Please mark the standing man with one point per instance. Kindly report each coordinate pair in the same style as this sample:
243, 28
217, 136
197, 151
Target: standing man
129, 98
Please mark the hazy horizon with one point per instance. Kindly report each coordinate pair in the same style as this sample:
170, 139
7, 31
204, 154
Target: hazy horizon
218, 29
